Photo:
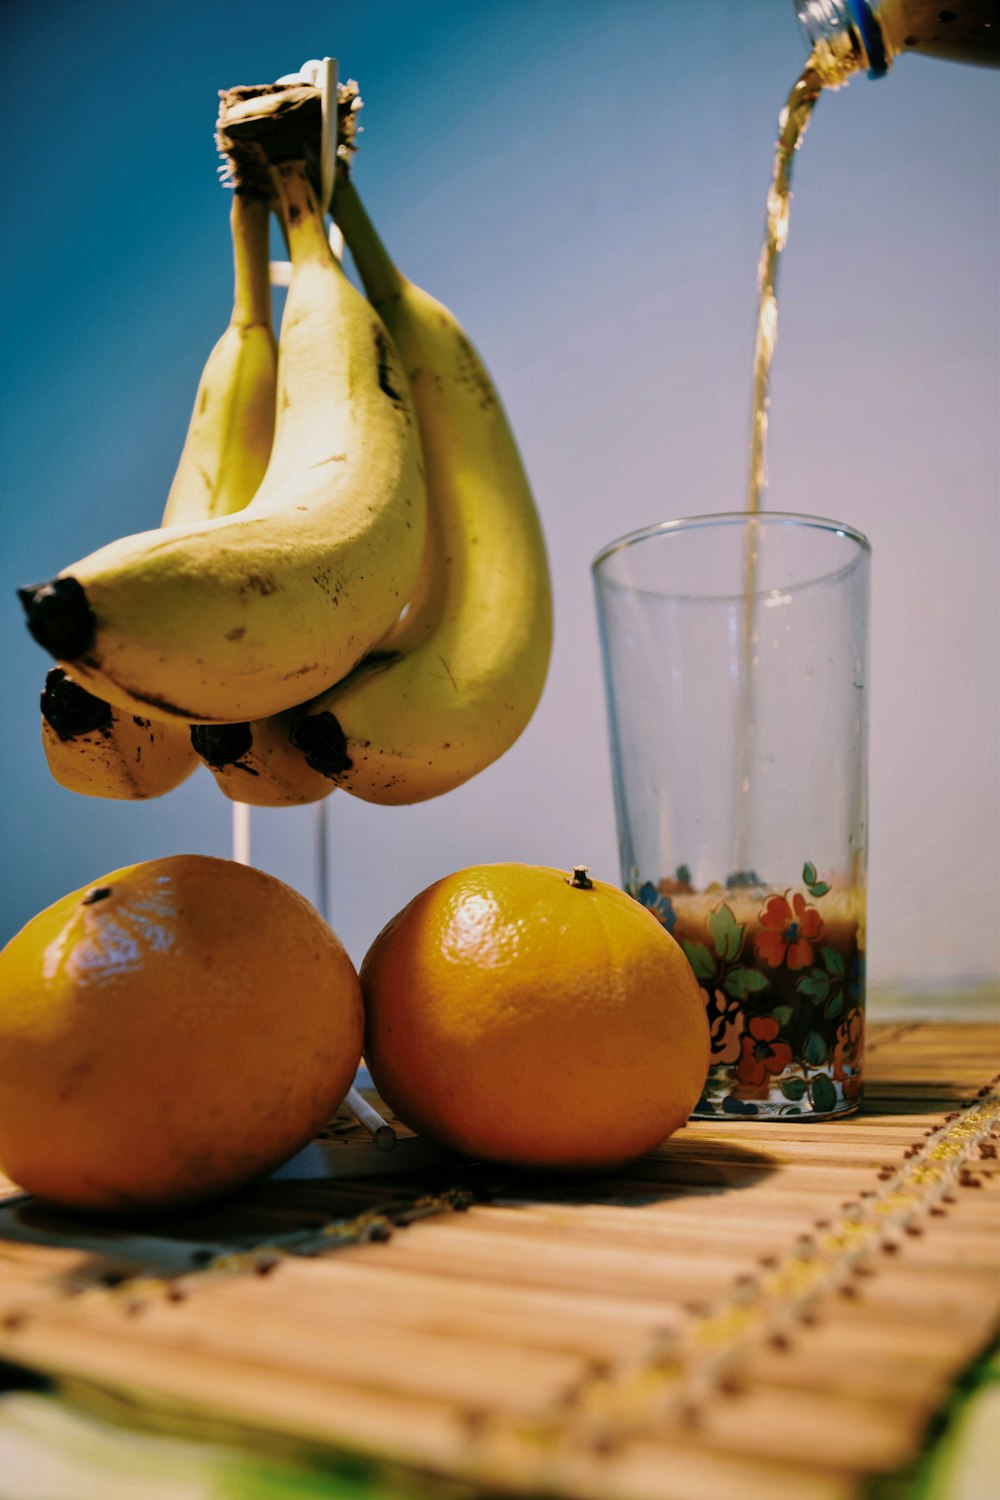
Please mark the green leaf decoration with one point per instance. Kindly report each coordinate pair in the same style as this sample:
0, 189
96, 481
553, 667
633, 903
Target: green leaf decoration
809, 873
815, 1049
782, 1014
815, 985
701, 961
833, 960
834, 1006
742, 982
793, 1088
683, 874
727, 933
818, 888
823, 1094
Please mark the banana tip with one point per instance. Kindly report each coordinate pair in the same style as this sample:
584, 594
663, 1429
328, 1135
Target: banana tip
69, 709
220, 745
59, 617
323, 743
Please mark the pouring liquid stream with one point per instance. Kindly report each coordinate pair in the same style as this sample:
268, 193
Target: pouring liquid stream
968, 31
792, 123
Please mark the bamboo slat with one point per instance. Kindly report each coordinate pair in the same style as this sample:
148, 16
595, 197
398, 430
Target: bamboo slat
751, 1310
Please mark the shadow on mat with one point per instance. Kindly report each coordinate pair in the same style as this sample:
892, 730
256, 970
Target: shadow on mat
916, 1098
311, 1216
675, 1169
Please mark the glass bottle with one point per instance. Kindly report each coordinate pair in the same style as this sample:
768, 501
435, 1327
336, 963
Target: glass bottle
848, 35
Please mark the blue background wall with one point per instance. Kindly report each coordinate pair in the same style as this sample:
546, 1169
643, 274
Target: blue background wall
583, 183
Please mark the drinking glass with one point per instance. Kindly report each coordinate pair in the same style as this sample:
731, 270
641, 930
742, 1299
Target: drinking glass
735, 667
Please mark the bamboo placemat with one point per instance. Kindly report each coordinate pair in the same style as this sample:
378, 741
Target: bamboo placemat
775, 1310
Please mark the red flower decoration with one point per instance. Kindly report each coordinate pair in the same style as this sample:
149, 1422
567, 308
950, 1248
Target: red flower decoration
789, 932
852, 1088
849, 1048
761, 1053
725, 1023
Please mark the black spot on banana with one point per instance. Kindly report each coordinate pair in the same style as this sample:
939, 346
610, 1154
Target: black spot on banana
384, 366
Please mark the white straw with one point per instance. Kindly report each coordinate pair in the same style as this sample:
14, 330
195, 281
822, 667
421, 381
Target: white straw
241, 833
380, 1130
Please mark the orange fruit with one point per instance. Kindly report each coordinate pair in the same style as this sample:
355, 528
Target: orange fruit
169, 1032
526, 1015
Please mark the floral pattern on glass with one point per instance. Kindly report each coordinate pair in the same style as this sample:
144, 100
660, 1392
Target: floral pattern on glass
782, 977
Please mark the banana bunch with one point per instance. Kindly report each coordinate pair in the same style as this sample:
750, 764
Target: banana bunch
247, 614
379, 616
451, 687
92, 746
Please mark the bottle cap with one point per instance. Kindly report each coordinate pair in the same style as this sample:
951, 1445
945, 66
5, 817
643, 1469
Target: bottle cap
871, 35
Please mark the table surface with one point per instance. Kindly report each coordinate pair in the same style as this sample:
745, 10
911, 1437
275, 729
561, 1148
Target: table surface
773, 1309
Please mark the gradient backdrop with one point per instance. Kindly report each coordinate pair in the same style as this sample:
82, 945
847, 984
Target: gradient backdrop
583, 183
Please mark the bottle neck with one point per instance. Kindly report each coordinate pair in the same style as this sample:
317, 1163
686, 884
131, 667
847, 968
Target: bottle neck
844, 36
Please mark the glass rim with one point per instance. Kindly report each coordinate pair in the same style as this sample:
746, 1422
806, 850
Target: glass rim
730, 518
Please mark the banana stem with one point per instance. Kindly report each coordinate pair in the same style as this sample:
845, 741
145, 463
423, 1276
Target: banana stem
382, 281
250, 220
305, 230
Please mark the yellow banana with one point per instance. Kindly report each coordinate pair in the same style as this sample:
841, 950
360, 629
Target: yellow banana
457, 679
228, 443
257, 763
246, 615
91, 746
102, 751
